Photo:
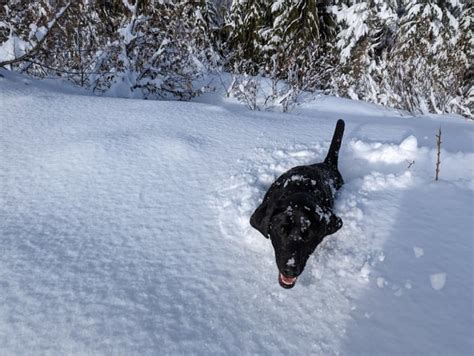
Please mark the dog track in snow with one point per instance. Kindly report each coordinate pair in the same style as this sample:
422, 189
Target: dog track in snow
374, 173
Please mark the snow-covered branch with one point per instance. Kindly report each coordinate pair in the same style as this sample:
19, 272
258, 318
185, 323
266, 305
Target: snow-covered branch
40, 36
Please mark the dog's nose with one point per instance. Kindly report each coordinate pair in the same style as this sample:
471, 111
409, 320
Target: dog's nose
289, 271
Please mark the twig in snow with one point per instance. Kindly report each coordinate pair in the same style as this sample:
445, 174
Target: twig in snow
438, 158
410, 163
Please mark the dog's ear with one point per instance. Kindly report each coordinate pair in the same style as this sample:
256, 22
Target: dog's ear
335, 223
260, 219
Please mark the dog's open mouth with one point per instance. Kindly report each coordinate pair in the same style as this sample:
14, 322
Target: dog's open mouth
286, 282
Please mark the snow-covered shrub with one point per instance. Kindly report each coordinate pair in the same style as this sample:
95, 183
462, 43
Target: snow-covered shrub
260, 93
150, 49
160, 49
245, 88
72, 48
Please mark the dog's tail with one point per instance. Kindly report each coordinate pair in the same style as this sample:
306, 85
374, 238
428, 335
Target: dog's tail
333, 152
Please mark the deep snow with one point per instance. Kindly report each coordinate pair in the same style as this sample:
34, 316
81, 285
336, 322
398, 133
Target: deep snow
124, 228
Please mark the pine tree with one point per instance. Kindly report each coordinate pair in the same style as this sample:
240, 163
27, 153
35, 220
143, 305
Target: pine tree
466, 42
365, 36
244, 25
204, 32
429, 60
292, 42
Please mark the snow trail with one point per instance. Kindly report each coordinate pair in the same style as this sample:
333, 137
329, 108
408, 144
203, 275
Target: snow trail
338, 273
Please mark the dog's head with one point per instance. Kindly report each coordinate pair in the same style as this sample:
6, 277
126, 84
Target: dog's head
296, 226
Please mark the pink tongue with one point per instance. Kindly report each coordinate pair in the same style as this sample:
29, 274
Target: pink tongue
287, 280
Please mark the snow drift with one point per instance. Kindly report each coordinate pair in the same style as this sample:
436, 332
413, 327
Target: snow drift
124, 229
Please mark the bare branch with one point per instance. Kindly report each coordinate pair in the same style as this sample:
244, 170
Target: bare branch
438, 159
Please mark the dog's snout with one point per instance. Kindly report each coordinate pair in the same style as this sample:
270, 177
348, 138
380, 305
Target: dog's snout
289, 271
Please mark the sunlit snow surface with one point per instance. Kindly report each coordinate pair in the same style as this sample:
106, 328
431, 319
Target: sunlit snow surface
124, 229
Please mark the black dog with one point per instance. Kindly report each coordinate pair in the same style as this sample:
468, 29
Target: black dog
296, 213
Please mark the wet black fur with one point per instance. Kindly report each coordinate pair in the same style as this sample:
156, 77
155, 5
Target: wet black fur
297, 211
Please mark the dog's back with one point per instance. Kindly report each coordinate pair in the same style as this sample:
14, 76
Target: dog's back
320, 181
